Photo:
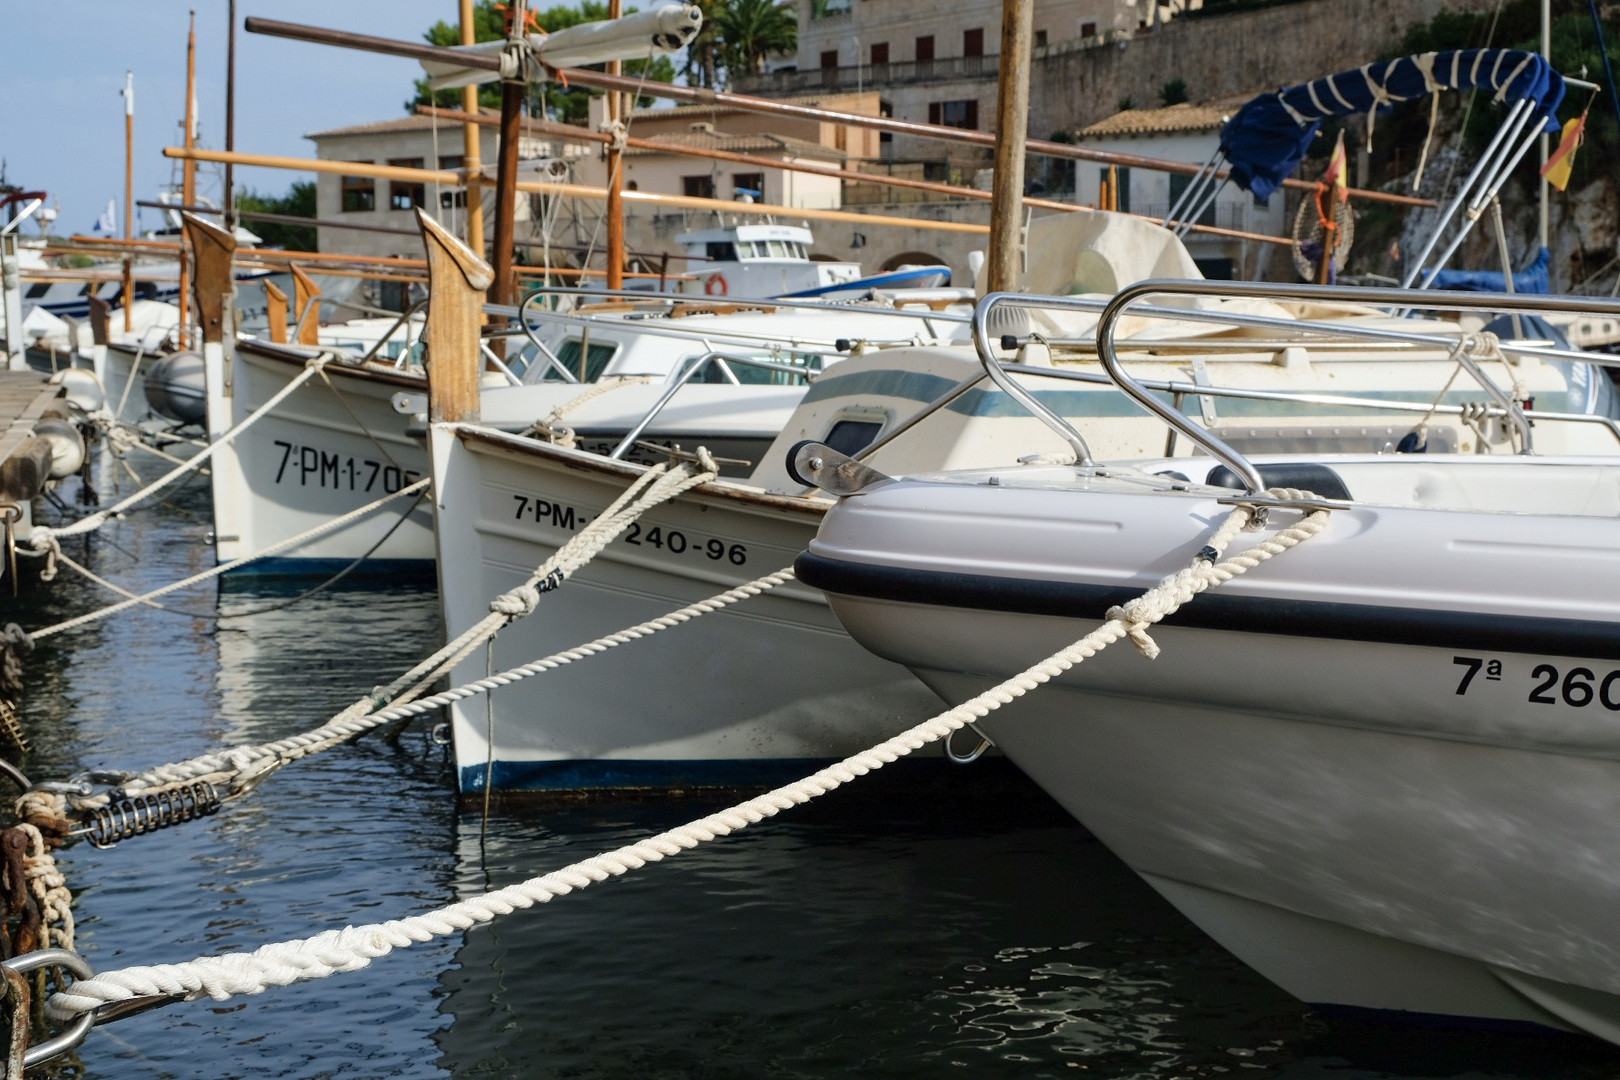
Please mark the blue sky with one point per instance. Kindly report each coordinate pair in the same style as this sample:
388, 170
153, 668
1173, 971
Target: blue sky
62, 66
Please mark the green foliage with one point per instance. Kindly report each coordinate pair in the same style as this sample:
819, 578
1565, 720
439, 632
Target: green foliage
1574, 50
553, 101
1125, 104
751, 30
298, 202
1173, 92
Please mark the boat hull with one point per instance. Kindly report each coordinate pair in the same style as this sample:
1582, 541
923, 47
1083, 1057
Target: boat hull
323, 452
1395, 803
752, 694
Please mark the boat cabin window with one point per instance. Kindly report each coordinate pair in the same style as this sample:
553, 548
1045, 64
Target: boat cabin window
753, 376
596, 360
721, 251
37, 290
852, 436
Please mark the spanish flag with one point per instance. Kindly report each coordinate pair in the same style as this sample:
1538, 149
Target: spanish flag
1562, 160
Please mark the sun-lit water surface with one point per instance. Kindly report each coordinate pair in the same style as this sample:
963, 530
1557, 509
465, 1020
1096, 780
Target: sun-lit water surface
925, 922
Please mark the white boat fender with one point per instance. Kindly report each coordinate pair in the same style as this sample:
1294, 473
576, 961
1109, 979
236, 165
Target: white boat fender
67, 445
176, 387
84, 390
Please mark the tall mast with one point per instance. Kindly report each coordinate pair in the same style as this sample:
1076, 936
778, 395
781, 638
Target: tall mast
188, 170
1012, 122
506, 170
471, 158
615, 172
129, 194
230, 116
1546, 53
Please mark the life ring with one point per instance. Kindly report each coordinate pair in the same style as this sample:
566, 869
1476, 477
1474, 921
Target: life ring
716, 285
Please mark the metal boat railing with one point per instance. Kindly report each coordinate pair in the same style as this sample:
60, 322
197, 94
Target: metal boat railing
1298, 330
1137, 390
714, 357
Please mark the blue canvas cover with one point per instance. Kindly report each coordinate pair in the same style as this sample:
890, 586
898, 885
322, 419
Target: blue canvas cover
1268, 137
1532, 279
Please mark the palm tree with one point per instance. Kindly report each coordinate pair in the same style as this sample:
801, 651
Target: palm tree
751, 30
702, 63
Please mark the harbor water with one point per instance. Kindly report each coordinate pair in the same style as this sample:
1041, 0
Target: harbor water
925, 921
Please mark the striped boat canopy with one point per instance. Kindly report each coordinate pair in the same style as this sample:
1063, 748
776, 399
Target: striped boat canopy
1268, 137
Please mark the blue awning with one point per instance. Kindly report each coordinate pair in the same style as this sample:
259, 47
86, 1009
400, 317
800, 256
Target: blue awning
1268, 137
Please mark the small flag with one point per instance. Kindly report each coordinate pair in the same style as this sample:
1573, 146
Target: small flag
1337, 171
1562, 160
108, 221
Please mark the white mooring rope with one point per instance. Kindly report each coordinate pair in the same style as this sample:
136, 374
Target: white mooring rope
239, 769
43, 537
54, 553
354, 947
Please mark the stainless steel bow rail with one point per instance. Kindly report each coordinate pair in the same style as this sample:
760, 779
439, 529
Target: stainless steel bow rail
1146, 393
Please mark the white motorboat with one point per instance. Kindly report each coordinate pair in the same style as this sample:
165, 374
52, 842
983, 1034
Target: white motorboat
506, 502
1378, 768
768, 259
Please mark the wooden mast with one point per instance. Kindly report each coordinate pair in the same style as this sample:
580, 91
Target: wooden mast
472, 152
601, 80
615, 172
129, 195
188, 169
512, 90
1012, 124
457, 279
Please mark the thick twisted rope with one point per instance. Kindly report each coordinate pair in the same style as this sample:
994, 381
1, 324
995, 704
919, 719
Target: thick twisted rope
354, 947
239, 769
49, 886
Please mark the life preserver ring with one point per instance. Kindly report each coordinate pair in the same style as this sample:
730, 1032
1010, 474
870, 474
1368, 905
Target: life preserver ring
716, 285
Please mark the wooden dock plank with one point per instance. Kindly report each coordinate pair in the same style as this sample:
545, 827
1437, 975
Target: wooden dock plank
24, 397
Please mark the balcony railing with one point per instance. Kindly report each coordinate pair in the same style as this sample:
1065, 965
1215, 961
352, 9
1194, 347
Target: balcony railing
871, 75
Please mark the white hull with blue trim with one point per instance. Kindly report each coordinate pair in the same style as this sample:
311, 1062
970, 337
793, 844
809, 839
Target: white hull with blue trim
1383, 768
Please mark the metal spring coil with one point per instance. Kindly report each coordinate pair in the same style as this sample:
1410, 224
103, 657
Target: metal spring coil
125, 818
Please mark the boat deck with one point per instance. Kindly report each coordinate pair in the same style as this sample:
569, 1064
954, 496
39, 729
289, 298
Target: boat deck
24, 397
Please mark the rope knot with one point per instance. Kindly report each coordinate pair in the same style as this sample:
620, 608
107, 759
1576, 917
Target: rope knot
706, 461
517, 603
16, 635
617, 132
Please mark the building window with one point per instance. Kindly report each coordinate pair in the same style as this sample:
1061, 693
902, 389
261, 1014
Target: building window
359, 192
1040, 39
973, 42
925, 49
880, 53
453, 197
748, 183
403, 194
1088, 29
956, 114
698, 187
829, 58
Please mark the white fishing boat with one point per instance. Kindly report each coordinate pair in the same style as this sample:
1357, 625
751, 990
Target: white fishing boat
605, 376
766, 260
1285, 375
1378, 768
